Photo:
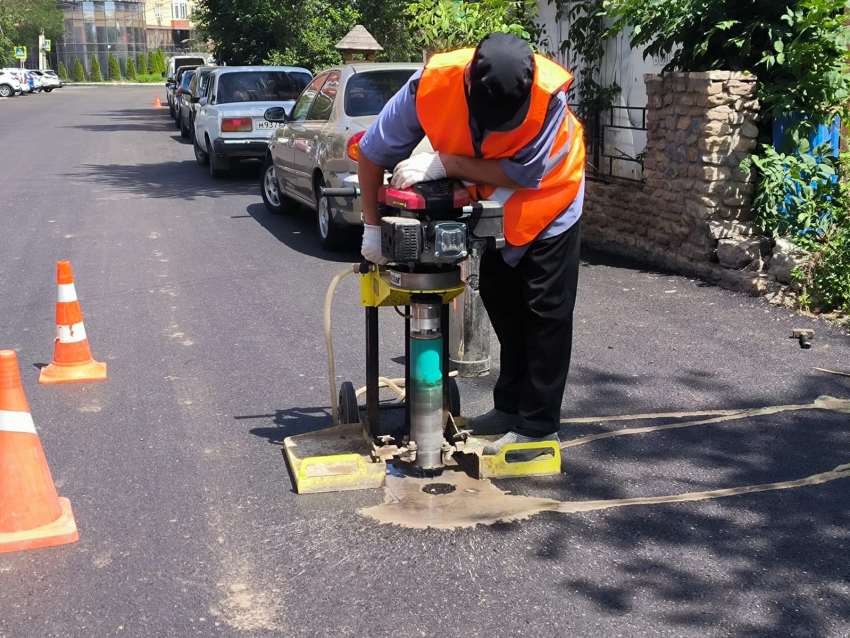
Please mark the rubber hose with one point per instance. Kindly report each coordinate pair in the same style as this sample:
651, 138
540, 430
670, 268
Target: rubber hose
329, 337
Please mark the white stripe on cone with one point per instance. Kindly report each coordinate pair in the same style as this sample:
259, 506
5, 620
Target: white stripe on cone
16, 422
67, 293
71, 334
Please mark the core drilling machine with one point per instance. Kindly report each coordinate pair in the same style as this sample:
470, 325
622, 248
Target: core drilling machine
426, 232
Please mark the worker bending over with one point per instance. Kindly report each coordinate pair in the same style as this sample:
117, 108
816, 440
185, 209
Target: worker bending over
497, 118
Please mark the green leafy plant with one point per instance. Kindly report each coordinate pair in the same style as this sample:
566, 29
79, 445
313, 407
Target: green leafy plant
318, 28
441, 25
79, 73
141, 65
21, 23
161, 66
585, 39
62, 72
797, 49
149, 78
95, 70
130, 70
151, 62
113, 68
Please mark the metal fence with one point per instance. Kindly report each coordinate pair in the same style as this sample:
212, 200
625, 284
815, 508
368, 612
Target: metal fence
616, 139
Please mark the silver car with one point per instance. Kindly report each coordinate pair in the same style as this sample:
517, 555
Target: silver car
318, 143
230, 123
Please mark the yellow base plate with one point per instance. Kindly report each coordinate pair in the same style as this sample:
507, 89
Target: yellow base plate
497, 466
333, 460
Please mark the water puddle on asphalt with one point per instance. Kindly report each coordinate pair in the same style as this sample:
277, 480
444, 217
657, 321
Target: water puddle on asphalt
455, 500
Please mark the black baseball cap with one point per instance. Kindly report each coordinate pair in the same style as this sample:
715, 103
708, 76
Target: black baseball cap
501, 75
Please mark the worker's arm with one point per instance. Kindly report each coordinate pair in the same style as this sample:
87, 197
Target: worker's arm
478, 171
371, 178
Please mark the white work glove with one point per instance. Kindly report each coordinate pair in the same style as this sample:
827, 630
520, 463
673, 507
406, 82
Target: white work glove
371, 248
423, 167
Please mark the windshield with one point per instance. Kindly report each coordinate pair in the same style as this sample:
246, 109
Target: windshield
261, 86
367, 93
189, 61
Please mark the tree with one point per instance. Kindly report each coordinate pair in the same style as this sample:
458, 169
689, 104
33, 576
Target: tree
113, 68
130, 70
302, 31
22, 21
95, 69
151, 62
440, 25
79, 74
142, 66
161, 67
63, 73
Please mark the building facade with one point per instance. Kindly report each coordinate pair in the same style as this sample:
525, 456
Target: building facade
169, 26
98, 28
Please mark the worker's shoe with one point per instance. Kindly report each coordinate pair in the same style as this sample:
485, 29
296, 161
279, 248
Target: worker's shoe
517, 456
494, 422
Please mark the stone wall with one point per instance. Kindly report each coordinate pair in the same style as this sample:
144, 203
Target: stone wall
692, 213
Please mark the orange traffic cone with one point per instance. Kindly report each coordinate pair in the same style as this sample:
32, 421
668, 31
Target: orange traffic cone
72, 360
31, 514
156, 103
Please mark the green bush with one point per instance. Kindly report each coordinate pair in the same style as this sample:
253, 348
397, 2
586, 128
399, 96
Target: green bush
160, 61
151, 62
141, 66
79, 73
149, 78
114, 68
95, 69
130, 70
62, 72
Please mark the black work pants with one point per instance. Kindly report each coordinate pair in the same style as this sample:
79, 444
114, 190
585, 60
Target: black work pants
531, 310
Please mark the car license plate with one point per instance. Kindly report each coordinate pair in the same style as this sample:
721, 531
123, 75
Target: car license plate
265, 125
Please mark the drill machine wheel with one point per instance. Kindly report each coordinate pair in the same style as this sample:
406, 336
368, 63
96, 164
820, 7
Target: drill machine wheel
347, 409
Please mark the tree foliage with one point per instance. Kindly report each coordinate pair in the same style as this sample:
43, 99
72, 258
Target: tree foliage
151, 62
130, 69
21, 22
141, 66
79, 73
301, 32
62, 72
796, 48
441, 25
113, 68
95, 69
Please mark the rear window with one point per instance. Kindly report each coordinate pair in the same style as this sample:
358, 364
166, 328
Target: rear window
189, 62
367, 93
261, 86
187, 77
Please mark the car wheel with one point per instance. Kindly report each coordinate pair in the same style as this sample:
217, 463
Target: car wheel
184, 130
171, 110
5, 91
47, 90
218, 167
330, 232
202, 158
276, 202
178, 120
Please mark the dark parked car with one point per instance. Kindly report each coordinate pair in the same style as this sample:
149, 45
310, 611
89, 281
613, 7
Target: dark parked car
171, 86
188, 107
178, 100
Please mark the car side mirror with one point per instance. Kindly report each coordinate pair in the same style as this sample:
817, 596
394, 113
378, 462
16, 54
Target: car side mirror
194, 99
276, 114
203, 101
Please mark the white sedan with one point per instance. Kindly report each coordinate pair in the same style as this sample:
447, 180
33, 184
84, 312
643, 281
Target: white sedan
229, 124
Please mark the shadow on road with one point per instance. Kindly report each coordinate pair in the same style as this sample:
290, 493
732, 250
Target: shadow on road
170, 180
299, 232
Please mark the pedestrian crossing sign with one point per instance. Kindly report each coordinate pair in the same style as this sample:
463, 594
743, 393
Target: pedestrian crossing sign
20, 53
47, 45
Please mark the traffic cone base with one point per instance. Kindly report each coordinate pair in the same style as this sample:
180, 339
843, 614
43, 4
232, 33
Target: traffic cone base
60, 532
73, 373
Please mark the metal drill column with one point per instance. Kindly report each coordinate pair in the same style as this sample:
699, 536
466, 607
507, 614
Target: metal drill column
372, 390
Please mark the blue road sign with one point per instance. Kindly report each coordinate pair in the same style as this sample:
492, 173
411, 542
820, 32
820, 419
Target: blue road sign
21, 53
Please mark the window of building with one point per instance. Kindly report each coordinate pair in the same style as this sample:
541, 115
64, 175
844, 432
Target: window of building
179, 10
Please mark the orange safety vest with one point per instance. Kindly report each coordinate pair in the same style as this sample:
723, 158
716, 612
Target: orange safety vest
444, 115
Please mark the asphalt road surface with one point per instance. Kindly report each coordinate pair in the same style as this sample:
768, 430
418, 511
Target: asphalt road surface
208, 312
